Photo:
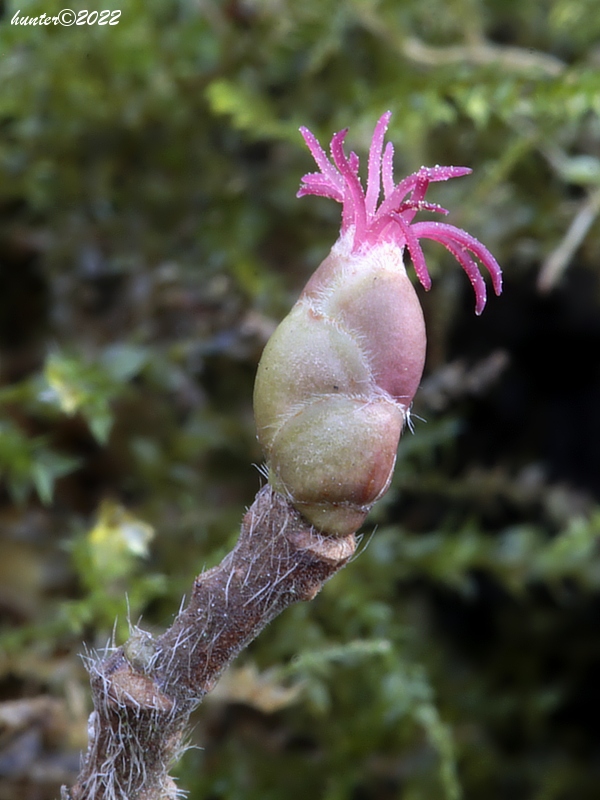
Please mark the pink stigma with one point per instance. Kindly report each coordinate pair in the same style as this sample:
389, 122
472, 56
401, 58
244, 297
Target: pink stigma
392, 219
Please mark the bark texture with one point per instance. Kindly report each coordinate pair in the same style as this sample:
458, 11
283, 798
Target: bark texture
145, 691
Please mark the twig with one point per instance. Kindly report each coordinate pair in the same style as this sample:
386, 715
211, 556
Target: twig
515, 59
476, 50
145, 691
558, 260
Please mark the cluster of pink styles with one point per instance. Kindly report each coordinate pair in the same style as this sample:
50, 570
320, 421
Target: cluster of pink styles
393, 220
336, 380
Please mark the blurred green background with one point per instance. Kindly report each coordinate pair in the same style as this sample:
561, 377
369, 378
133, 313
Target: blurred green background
150, 240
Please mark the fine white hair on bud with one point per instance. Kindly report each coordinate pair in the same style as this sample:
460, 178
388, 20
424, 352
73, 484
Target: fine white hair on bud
337, 378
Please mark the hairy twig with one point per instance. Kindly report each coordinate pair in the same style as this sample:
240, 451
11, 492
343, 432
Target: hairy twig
145, 691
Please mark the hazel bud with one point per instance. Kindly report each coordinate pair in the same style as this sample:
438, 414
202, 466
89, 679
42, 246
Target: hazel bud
337, 378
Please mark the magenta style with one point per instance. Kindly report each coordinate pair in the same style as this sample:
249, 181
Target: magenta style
393, 220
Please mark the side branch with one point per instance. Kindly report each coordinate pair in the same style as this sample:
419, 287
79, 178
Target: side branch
145, 691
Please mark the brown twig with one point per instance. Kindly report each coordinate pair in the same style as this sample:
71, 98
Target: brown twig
145, 691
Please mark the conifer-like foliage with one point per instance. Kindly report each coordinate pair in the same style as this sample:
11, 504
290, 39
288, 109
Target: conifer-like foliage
151, 240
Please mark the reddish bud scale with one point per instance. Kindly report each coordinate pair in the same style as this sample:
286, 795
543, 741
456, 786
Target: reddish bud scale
337, 377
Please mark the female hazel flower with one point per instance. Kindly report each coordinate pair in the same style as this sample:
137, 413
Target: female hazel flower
336, 380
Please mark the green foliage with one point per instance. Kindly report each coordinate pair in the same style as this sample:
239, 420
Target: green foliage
77, 387
27, 463
150, 239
